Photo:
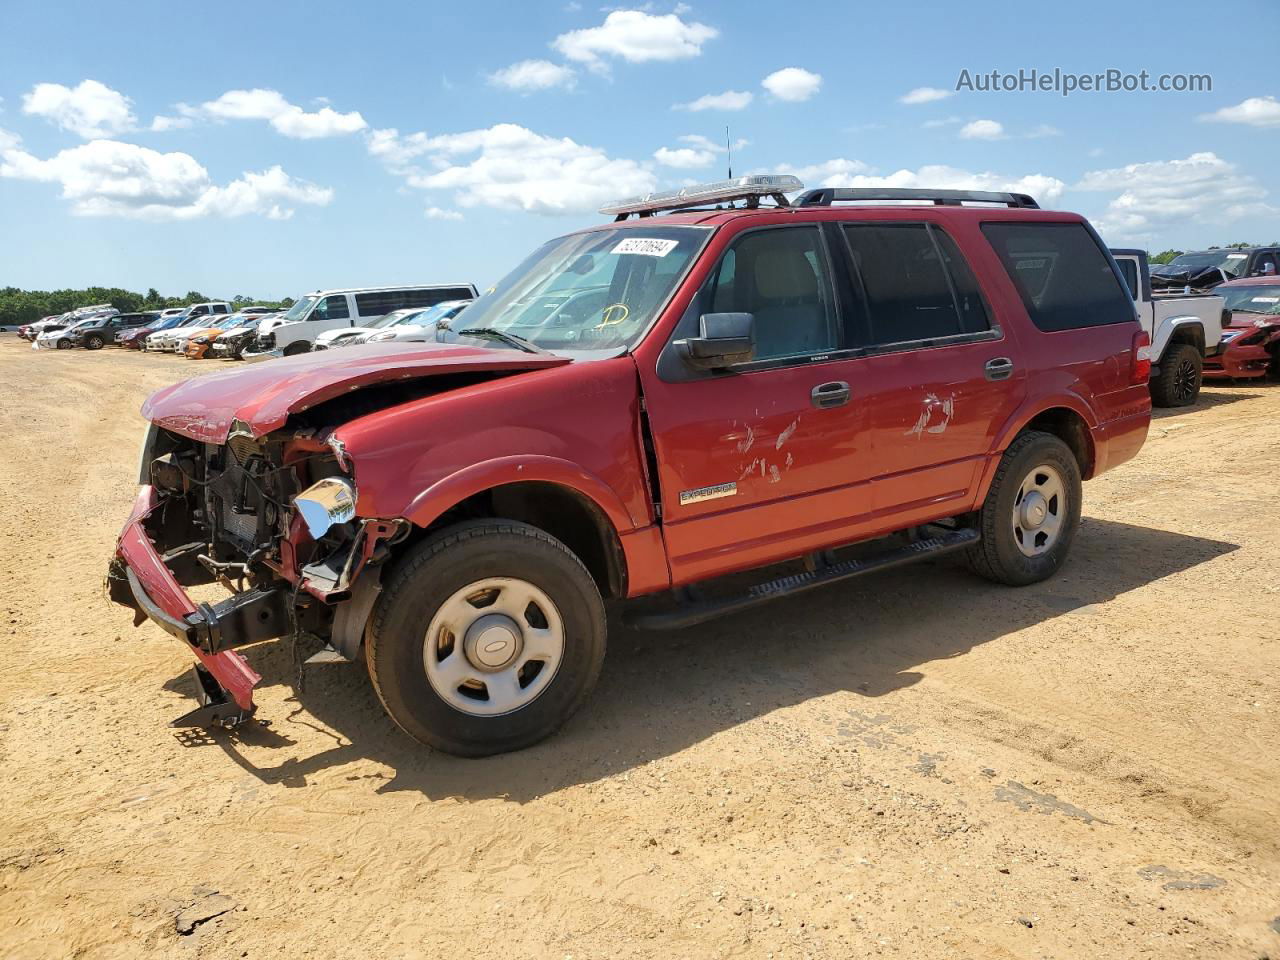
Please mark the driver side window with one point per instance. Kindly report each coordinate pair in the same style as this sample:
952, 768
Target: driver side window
331, 308
780, 276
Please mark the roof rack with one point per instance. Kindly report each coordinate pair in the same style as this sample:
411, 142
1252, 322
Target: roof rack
825, 196
750, 189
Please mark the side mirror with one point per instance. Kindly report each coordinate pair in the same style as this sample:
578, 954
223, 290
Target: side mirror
724, 339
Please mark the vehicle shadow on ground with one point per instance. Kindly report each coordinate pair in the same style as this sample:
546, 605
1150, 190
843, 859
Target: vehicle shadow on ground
661, 692
1207, 400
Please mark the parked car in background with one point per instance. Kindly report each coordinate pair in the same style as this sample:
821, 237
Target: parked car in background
432, 324
201, 339
166, 340
232, 343
1205, 269
134, 338
98, 333
639, 407
1251, 341
1185, 330
344, 335
296, 329
32, 330
59, 337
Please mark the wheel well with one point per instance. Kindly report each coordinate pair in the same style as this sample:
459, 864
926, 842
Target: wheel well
1188, 333
1069, 427
565, 514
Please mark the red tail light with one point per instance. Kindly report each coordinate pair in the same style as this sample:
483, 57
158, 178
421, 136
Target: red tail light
1140, 369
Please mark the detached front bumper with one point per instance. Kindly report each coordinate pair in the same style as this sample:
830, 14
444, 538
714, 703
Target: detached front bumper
140, 579
253, 356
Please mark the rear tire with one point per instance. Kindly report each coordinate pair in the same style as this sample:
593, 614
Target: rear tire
437, 620
1181, 373
1031, 512
293, 349
93, 342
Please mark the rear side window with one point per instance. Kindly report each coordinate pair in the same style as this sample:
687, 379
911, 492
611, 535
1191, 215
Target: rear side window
1062, 275
1129, 270
376, 304
915, 283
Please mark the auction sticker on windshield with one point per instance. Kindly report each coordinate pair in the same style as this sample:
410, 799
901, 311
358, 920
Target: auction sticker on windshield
646, 246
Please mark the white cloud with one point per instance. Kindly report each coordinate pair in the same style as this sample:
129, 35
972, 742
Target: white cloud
635, 36
684, 158
1044, 130
439, 213
792, 83
1203, 188
90, 109
529, 76
982, 130
161, 124
729, 100
110, 178
509, 167
925, 95
287, 118
1255, 111
8, 140
853, 173
941, 122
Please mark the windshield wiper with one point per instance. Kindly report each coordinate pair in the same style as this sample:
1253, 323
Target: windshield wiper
508, 338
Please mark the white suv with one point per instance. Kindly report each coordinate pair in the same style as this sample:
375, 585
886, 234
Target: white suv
295, 330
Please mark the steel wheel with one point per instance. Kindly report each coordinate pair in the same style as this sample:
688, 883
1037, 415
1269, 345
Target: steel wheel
1039, 510
493, 646
1186, 378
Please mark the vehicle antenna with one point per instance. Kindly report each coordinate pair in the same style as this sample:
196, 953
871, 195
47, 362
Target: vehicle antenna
728, 149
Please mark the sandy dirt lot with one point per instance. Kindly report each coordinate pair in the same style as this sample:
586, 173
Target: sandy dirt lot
917, 765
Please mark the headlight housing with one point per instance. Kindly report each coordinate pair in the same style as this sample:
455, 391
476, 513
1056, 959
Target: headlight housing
326, 504
384, 335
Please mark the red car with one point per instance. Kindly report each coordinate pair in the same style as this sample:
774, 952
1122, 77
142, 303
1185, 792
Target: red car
637, 409
1250, 345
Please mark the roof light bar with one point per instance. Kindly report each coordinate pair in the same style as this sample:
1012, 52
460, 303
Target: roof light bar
750, 189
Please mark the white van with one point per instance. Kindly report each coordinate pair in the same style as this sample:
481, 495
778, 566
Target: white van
295, 330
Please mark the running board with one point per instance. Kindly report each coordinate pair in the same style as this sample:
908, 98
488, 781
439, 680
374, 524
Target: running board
699, 611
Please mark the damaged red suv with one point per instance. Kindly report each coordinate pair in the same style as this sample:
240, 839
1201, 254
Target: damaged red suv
1250, 345
842, 382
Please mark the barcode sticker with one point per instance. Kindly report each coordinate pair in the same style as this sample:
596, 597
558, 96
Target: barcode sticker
646, 246
1265, 300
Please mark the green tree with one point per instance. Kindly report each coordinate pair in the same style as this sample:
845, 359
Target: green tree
1164, 256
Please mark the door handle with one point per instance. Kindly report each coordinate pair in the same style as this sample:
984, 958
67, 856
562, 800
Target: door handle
832, 394
1001, 368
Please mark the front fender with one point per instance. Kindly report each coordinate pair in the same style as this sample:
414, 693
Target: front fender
431, 503
1165, 334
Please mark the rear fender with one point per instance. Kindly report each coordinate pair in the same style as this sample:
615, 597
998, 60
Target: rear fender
1019, 422
1179, 330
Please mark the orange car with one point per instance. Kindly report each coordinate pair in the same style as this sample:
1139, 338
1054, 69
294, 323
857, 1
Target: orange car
198, 342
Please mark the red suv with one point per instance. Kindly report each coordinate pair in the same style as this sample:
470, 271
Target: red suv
636, 409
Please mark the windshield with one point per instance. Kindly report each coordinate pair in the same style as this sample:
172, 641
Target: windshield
167, 322
588, 291
1254, 298
390, 319
1229, 261
299, 309
432, 315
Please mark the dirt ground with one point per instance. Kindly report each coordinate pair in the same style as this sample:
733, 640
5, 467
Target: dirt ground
920, 764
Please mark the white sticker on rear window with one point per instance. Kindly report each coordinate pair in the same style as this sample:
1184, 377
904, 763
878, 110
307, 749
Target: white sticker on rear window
1266, 300
1237, 256
646, 246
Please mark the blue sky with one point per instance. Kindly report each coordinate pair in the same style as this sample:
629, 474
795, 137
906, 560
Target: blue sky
310, 145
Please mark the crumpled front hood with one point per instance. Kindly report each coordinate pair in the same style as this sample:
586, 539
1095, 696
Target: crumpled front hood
265, 394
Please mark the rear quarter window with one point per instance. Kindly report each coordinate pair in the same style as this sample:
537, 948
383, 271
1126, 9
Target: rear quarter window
1065, 280
385, 301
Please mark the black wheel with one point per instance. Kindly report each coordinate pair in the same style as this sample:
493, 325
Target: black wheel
1178, 384
93, 341
1031, 512
64, 344
293, 349
488, 636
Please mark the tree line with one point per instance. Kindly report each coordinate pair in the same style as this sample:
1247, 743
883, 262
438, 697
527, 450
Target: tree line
19, 306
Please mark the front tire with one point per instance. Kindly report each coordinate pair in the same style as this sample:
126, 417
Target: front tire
293, 349
488, 637
1181, 373
64, 344
93, 342
1031, 512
